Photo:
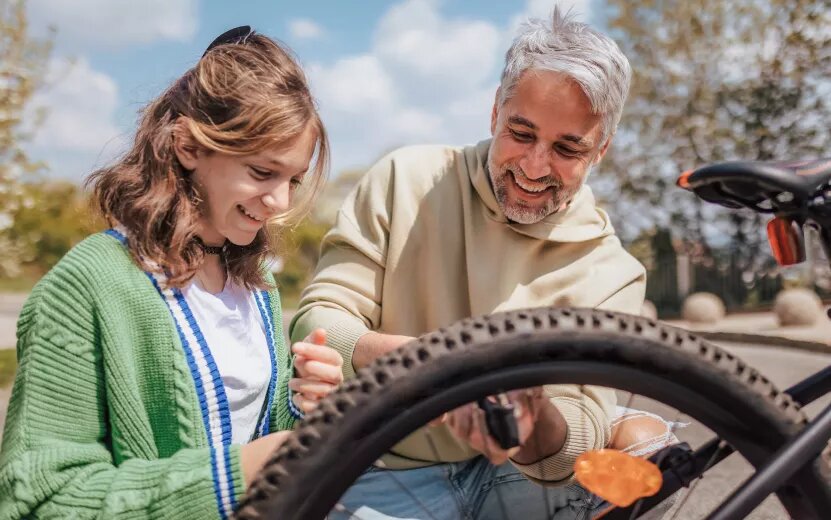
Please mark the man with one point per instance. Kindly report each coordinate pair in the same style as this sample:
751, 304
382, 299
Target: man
435, 234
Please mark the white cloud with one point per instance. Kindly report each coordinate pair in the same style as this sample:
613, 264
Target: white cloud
428, 78
84, 23
80, 104
415, 41
79, 129
352, 84
305, 29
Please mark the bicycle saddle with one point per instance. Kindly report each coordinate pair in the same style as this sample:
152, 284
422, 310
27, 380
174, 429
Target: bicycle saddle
764, 186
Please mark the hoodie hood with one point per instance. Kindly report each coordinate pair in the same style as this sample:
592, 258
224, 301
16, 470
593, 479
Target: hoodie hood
582, 220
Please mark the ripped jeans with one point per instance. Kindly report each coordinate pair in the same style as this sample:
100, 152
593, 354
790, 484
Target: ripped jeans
476, 489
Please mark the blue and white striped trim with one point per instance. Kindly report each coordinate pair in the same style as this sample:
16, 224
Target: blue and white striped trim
264, 305
216, 415
210, 390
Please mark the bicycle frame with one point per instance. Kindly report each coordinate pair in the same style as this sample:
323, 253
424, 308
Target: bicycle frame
785, 238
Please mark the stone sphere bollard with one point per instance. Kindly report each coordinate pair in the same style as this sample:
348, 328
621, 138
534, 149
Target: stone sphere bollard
703, 307
648, 310
797, 307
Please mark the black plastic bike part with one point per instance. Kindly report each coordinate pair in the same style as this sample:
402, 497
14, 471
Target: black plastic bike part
501, 422
794, 455
785, 184
679, 466
407, 388
812, 387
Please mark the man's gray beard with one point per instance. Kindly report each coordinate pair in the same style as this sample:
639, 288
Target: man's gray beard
517, 213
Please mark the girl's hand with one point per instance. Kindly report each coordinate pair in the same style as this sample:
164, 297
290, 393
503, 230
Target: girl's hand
318, 369
255, 454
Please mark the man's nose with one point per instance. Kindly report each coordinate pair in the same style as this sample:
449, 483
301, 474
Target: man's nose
535, 164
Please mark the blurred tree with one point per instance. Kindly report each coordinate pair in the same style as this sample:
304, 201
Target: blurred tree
22, 67
300, 246
714, 81
49, 218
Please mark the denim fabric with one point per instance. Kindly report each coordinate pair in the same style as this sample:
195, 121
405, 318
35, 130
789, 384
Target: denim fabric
473, 489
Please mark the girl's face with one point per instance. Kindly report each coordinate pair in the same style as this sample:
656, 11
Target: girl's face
241, 193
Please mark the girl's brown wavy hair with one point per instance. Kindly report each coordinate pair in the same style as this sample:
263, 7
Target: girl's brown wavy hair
239, 99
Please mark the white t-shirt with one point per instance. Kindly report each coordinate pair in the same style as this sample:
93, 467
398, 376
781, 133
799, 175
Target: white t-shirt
234, 330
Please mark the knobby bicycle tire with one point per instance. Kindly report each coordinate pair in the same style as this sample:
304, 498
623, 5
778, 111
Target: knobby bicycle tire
403, 390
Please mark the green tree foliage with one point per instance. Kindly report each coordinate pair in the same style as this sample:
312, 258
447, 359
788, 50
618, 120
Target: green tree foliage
49, 218
22, 64
300, 246
715, 81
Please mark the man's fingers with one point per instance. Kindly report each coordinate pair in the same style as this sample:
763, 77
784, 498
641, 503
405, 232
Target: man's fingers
441, 419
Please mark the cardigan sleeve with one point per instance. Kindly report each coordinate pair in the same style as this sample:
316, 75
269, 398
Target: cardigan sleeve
59, 453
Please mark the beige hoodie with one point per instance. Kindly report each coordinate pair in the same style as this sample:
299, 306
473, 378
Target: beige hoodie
421, 243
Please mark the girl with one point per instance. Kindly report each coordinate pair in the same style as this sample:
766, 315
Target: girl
153, 378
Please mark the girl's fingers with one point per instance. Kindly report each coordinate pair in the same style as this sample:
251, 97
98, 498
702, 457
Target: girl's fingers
317, 337
311, 388
303, 404
322, 371
320, 353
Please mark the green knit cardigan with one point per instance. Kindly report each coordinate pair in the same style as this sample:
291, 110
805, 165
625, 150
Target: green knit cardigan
104, 419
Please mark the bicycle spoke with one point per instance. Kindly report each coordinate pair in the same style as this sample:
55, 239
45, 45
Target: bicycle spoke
340, 508
479, 419
436, 456
697, 481
674, 424
548, 509
391, 474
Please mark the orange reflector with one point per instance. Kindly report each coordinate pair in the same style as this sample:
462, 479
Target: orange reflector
617, 477
684, 180
786, 241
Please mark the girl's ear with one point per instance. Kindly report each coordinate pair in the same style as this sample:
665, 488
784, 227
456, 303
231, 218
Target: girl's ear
184, 145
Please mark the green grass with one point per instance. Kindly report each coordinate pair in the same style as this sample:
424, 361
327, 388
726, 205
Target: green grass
8, 365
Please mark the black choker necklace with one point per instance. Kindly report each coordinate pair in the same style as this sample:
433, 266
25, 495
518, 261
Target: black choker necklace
210, 250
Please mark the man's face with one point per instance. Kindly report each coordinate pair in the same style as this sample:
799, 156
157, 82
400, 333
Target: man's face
545, 138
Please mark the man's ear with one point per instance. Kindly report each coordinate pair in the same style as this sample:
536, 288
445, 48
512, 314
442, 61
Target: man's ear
495, 111
603, 150
184, 145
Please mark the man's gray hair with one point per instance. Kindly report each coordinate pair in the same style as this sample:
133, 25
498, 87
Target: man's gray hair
589, 58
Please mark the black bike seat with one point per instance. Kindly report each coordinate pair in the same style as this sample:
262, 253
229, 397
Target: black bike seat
765, 186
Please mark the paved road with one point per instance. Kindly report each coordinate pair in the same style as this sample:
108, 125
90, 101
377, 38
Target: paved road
781, 366
10, 305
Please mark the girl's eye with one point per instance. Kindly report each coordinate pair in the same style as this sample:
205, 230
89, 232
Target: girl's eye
296, 182
263, 174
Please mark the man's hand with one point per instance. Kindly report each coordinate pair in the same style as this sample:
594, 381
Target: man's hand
374, 345
318, 369
540, 432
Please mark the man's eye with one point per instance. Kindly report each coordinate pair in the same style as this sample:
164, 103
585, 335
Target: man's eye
522, 136
568, 152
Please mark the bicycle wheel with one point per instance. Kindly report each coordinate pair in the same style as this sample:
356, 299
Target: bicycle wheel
477, 357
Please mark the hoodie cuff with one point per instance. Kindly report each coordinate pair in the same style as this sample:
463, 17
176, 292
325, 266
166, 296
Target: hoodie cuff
343, 336
584, 434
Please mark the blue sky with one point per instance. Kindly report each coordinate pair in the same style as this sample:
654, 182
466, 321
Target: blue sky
385, 73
